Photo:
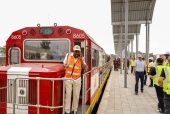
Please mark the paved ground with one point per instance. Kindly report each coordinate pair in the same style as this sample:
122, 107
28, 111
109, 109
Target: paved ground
119, 100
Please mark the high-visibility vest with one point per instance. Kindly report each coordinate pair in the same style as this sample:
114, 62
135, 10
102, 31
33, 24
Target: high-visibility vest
151, 64
132, 63
158, 73
74, 69
165, 63
166, 82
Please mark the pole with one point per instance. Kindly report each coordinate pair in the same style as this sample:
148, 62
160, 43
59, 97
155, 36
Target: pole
147, 42
137, 43
121, 50
126, 37
132, 48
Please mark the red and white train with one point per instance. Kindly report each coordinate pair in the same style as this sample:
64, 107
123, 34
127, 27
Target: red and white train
30, 81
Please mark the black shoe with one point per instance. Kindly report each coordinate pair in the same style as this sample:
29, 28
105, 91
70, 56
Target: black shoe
136, 93
74, 112
159, 108
160, 111
150, 85
66, 113
142, 91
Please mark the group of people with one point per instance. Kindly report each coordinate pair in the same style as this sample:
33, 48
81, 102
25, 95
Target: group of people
159, 75
116, 63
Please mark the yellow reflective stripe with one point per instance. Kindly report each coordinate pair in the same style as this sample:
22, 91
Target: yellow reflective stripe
76, 67
132, 63
76, 74
155, 79
68, 72
71, 66
166, 82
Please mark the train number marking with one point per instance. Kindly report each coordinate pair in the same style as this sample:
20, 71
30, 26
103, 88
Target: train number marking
79, 35
16, 37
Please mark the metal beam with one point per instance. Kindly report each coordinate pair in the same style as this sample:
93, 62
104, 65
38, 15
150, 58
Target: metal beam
115, 34
132, 22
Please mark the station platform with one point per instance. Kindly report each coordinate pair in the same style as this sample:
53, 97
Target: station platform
119, 100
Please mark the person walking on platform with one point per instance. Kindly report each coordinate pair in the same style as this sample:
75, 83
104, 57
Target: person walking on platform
155, 74
150, 65
115, 63
74, 65
132, 63
145, 76
167, 54
138, 72
164, 80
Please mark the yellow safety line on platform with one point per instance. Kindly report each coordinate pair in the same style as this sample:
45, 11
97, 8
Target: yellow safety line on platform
96, 98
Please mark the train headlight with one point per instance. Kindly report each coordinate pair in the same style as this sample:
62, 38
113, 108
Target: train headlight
68, 31
24, 32
32, 32
60, 31
46, 31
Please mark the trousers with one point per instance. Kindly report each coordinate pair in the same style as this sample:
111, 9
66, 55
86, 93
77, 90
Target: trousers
75, 87
141, 76
160, 96
167, 103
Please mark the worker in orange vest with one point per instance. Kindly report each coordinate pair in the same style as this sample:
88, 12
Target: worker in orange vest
74, 64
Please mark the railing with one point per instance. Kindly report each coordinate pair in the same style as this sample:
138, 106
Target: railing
104, 69
38, 105
102, 73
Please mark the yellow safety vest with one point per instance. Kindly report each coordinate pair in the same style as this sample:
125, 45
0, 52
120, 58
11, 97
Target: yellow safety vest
166, 82
165, 63
132, 63
158, 73
151, 64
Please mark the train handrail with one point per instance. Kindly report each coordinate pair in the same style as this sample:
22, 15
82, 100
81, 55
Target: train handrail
104, 69
84, 82
38, 105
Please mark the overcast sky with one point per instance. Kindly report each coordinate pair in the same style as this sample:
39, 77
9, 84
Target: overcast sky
93, 16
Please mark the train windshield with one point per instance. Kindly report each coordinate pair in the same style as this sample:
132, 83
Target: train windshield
45, 50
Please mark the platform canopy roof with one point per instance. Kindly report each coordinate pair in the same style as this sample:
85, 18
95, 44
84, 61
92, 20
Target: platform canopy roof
140, 12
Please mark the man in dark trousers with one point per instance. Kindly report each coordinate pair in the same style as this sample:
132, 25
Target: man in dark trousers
164, 81
138, 72
155, 74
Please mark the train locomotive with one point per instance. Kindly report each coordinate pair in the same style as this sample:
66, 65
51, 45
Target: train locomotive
32, 81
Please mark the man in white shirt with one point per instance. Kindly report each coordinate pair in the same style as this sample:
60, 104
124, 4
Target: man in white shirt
138, 72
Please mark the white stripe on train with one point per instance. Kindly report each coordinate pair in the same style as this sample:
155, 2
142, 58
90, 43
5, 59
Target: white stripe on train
11, 74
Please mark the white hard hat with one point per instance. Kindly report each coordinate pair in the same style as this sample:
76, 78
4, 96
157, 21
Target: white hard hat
151, 58
168, 53
77, 47
139, 55
168, 58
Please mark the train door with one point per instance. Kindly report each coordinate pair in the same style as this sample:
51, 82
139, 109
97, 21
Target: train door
86, 51
81, 43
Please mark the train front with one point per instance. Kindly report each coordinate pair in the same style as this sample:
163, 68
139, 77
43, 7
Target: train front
34, 58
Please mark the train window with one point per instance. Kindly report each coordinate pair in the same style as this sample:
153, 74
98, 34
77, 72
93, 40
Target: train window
15, 56
46, 49
95, 58
87, 56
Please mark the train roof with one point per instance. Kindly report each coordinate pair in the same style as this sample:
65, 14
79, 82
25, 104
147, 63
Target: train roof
65, 27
